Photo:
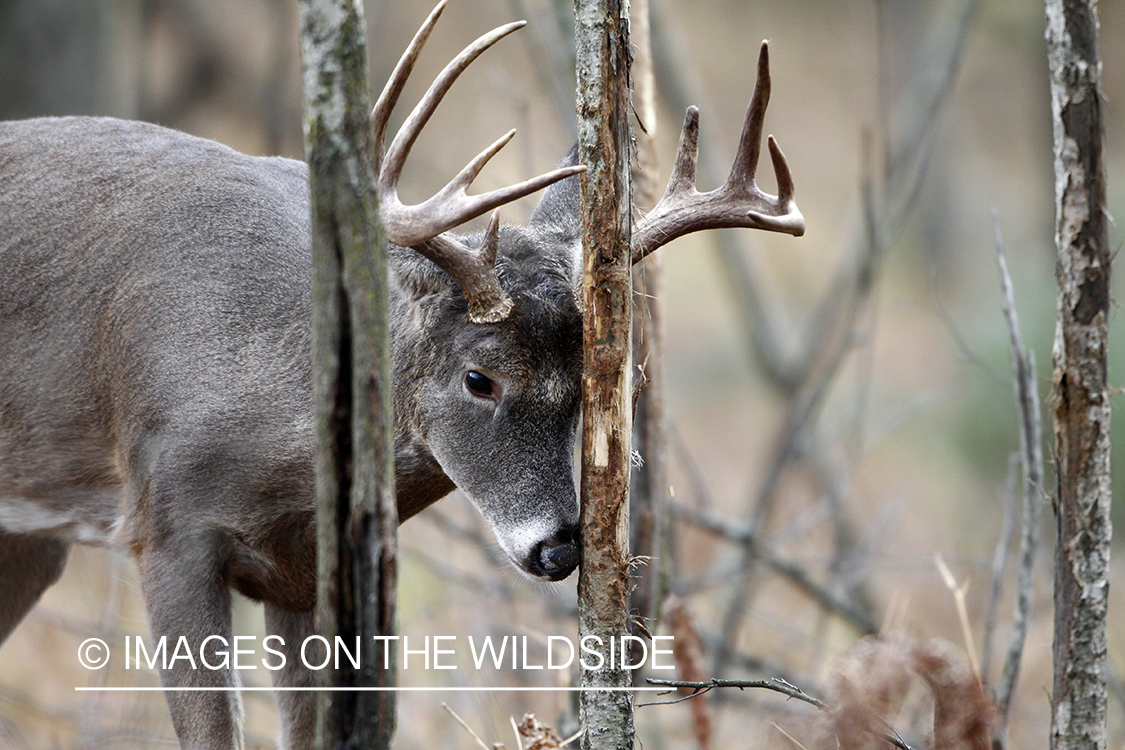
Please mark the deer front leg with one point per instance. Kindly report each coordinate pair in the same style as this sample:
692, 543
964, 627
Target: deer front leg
296, 708
188, 602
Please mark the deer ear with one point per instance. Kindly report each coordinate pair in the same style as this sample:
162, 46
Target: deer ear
556, 217
556, 221
418, 276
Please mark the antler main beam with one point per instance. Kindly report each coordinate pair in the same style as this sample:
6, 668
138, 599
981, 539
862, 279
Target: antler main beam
423, 226
739, 202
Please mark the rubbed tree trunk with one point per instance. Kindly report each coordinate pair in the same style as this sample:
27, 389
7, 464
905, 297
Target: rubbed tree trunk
602, 44
1081, 399
356, 514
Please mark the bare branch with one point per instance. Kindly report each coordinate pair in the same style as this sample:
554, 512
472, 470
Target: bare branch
834, 320
788, 569
777, 686
689, 664
999, 560
1031, 458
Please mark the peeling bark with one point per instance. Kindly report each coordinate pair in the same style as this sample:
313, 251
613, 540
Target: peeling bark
1081, 405
357, 517
602, 44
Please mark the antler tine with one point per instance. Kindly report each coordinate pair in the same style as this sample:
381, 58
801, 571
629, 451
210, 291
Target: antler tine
750, 141
453, 194
409, 226
682, 179
739, 202
473, 270
424, 226
781, 171
381, 113
412, 126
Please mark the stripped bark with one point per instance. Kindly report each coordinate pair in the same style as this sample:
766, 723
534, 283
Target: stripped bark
1081, 401
602, 45
357, 518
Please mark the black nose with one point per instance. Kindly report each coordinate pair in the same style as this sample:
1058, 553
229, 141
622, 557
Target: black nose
557, 557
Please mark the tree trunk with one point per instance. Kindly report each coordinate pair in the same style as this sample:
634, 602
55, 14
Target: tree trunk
602, 44
649, 491
1081, 399
356, 514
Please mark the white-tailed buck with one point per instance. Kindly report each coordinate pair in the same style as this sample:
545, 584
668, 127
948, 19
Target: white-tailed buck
155, 383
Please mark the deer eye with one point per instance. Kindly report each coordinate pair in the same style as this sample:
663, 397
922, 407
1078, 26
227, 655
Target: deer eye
478, 384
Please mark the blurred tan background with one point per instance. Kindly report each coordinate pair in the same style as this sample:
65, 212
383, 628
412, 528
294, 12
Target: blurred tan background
904, 455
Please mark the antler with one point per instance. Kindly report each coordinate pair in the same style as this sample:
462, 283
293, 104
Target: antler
739, 202
423, 226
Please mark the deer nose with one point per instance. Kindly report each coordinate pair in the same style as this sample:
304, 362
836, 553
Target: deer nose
557, 557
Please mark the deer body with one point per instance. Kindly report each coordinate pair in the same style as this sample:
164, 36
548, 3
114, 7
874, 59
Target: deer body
155, 378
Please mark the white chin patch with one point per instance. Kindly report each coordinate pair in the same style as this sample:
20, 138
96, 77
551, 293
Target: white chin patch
518, 541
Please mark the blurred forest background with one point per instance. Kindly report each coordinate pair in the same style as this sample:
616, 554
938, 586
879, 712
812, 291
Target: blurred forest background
840, 406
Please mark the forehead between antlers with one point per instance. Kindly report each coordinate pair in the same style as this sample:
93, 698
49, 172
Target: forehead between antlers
540, 271
542, 334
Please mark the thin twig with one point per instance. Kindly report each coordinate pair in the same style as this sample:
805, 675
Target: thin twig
704, 500
694, 694
789, 569
787, 736
804, 408
778, 686
1027, 402
999, 560
967, 353
468, 729
962, 612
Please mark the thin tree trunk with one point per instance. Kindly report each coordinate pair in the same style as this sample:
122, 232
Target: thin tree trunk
649, 491
356, 514
1081, 402
602, 44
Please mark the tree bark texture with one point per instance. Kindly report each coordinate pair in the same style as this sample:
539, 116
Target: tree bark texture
649, 486
357, 518
1081, 402
602, 45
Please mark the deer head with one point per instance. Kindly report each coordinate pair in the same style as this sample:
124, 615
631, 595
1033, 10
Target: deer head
492, 404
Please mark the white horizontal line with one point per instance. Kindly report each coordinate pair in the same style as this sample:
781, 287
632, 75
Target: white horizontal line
362, 689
